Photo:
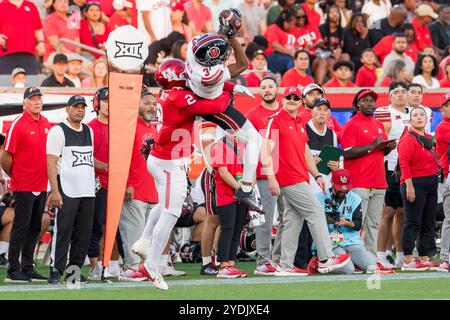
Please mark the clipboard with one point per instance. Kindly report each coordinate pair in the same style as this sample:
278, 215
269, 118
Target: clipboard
328, 153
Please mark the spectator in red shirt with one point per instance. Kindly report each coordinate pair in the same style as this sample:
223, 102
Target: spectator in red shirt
281, 48
313, 16
259, 116
419, 190
259, 63
21, 36
367, 74
140, 194
384, 47
290, 177
99, 76
93, 32
231, 212
364, 141
443, 151
24, 160
180, 21
297, 76
59, 24
121, 16
424, 16
200, 15
394, 72
445, 83
343, 74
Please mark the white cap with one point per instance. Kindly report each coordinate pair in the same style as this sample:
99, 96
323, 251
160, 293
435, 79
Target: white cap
121, 4
425, 10
310, 87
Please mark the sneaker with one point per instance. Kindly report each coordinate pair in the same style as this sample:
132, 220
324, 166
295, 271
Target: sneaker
382, 269
108, 274
80, 279
266, 269
209, 270
415, 265
3, 261
95, 274
249, 199
154, 277
385, 264
169, 270
131, 275
443, 267
33, 275
229, 273
142, 247
291, 272
244, 274
334, 263
17, 276
357, 271
433, 265
54, 276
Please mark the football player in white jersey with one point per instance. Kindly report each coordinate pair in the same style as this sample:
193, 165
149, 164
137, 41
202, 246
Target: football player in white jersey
415, 98
207, 74
395, 119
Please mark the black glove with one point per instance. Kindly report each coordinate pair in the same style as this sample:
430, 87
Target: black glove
146, 147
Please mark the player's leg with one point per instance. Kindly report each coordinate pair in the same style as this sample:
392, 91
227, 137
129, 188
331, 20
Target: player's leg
397, 231
384, 228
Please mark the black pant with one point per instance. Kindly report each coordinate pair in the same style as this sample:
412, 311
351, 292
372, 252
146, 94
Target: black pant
28, 210
99, 224
23, 60
232, 219
303, 254
73, 224
419, 217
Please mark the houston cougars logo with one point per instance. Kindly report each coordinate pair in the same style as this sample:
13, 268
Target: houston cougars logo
82, 159
130, 50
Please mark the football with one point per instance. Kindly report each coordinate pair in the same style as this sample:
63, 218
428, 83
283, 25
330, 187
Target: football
230, 21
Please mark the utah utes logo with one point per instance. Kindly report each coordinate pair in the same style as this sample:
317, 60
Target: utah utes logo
82, 159
129, 50
213, 52
171, 75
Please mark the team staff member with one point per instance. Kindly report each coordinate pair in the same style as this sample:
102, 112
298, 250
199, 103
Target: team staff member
291, 178
70, 165
259, 117
395, 118
443, 152
419, 184
24, 160
140, 194
364, 150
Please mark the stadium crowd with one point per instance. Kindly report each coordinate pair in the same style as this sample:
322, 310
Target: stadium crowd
376, 201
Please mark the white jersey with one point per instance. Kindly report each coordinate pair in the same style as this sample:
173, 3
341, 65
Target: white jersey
205, 82
399, 121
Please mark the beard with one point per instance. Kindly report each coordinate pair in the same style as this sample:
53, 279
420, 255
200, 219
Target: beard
269, 101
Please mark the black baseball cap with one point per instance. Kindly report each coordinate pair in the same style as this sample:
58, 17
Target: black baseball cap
321, 101
60, 58
31, 92
74, 100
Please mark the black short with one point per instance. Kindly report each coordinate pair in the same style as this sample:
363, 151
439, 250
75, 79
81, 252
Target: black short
185, 221
231, 118
2, 211
393, 197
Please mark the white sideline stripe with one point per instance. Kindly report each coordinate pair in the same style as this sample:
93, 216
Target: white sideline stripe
241, 281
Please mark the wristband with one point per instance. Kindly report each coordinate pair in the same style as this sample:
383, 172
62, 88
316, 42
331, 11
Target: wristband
317, 177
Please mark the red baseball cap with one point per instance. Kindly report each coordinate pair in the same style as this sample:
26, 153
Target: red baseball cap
342, 180
177, 6
366, 92
292, 91
444, 99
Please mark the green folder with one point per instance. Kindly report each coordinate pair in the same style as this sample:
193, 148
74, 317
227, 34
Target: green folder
328, 153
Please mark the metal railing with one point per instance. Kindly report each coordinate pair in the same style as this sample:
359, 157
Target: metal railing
82, 46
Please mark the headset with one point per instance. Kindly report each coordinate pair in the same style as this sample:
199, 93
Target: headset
100, 94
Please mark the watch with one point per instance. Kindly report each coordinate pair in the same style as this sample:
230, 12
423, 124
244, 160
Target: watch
318, 176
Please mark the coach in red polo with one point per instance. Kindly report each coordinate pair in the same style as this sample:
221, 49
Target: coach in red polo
290, 177
24, 159
364, 141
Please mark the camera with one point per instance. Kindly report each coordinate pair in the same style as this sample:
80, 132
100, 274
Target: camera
331, 211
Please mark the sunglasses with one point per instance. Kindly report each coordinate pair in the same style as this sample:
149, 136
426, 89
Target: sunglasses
292, 97
301, 17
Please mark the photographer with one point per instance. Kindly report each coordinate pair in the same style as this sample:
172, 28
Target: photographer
344, 218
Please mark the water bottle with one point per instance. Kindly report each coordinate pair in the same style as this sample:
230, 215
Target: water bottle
238, 176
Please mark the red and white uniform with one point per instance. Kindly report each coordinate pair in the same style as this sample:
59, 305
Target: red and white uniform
173, 143
206, 82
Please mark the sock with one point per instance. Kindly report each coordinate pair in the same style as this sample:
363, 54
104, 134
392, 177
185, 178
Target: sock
381, 256
4, 247
399, 257
161, 235
206, 260
114, 265
153, 218
246, 188
253, 142
100, 265
388, 252
164, 260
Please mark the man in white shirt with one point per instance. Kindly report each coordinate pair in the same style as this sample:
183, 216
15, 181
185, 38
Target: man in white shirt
376, 10
154, 18
415, 98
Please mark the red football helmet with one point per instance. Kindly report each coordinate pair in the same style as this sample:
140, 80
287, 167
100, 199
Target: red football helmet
171, 75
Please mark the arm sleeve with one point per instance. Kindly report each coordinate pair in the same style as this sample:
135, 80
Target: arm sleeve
55, 141
209, 106
357, 218
228, 86
405, 153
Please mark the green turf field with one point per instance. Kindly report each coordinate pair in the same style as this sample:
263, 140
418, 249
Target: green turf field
422, 285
